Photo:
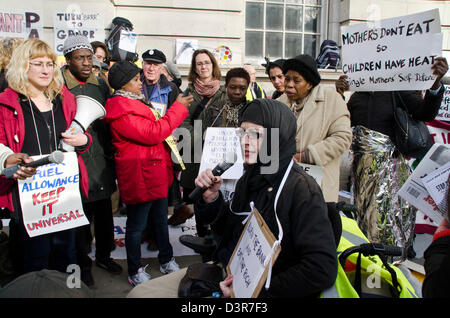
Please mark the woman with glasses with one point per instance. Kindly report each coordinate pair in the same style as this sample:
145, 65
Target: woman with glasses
204, 85
34, 114
290, 202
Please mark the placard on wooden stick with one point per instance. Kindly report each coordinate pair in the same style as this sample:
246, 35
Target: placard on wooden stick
247, 262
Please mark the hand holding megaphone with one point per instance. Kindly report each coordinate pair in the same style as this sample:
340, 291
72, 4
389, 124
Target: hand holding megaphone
88, 110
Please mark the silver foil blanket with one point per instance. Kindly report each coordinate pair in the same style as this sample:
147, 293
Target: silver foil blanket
378, 172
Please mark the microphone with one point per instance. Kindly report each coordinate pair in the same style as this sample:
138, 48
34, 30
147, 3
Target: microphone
55, 157
218, 170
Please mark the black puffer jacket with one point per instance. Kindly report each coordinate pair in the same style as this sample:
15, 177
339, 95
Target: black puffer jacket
374, 110
307, 263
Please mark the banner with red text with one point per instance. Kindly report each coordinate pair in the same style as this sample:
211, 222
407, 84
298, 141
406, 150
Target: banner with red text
24, 24
51, 199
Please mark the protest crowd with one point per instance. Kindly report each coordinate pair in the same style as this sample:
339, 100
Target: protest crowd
140, 151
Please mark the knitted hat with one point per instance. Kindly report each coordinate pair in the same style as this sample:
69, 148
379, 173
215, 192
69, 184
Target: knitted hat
154, 55
44, 284
76, 42
306, 66
121, 73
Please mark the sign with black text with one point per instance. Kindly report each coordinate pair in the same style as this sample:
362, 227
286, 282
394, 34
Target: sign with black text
51, 199
392, 54
89, 24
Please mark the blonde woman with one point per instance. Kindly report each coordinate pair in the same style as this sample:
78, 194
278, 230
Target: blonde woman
7, 47
35, 111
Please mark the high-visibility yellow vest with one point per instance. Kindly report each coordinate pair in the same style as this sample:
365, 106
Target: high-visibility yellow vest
373, 265
249, 95
171, 143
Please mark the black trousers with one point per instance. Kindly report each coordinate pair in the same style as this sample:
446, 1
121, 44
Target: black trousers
100, 213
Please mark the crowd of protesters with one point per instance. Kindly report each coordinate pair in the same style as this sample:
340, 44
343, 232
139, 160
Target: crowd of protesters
133, 148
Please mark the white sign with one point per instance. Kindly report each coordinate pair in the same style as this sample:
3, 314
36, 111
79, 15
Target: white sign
314, 171
437, 185
89, 24
120, 229
51, 200
414, 190
218, 142
185, 48
392, 54
128, 41
444, 111
248, 263
20, 24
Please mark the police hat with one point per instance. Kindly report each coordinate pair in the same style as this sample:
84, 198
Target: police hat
154, 55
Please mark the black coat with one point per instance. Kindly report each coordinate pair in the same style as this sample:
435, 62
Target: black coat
374, 110
307, 263
437, 268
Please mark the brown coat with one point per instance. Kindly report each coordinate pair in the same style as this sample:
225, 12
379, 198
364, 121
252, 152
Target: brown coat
323, 128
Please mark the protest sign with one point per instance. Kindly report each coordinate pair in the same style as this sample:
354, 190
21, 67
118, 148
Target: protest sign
218, 142
120, 229
248, 262
314, 171
439, 131
185, 48
22, 24
51, 200
128, 41
437, 185
414, 191
87, 23
391, 54
444, 110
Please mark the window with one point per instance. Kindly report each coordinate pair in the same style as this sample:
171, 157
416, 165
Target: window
283, 28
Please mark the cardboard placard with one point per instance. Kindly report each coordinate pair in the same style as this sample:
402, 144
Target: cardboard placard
247, 262
51, 199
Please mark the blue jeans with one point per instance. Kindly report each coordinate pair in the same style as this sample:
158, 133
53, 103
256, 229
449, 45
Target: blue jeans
136, 222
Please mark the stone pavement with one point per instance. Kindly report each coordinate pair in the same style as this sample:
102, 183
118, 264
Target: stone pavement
116, 286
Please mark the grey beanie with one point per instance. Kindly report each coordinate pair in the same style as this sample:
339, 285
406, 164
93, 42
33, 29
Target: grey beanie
76, 42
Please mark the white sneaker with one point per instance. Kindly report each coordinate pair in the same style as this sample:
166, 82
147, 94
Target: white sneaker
169, 267
140, 277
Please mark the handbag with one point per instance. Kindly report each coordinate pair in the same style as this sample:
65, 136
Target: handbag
411, 136
200, 280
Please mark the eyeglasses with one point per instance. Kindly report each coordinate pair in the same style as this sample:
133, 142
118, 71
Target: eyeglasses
251, 133
200, 64
42, 64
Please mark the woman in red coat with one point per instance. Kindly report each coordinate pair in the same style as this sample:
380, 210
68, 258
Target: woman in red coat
143, 164
34, 114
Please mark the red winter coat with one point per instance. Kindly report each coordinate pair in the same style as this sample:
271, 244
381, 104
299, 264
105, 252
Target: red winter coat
12, 134
143, 159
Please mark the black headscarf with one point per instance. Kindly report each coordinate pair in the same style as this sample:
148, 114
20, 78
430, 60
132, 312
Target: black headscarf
269, 114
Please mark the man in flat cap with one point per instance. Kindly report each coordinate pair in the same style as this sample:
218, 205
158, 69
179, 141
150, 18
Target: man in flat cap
99, 160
